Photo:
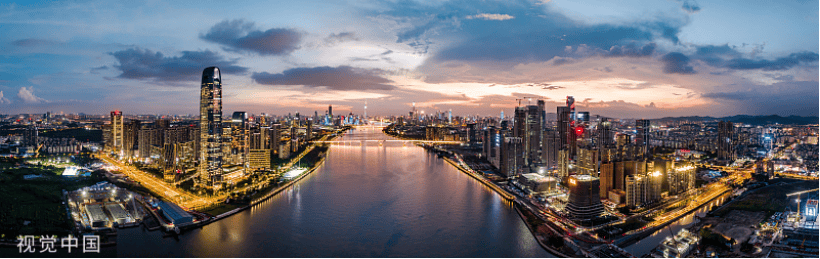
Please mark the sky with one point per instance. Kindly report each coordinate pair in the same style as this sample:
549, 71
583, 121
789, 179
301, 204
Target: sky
622, 59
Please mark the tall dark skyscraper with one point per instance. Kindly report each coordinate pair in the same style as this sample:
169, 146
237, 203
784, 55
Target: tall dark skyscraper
131, 137
606, 137
210, 128
534, 133
642, 136
551, 145
519, 125
565, 131
726, 140
542, 108
584, 198
330, 113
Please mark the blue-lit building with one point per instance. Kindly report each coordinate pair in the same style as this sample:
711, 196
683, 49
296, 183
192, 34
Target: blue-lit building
177, 215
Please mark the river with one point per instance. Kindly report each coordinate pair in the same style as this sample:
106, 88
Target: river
372, 200
645, 245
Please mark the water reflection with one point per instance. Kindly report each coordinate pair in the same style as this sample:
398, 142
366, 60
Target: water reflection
646, 245
367, 200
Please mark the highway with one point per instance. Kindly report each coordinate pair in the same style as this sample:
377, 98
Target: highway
159, 186
182, 197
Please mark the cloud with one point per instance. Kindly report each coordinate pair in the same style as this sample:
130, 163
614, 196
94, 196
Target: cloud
139, 63
632, 50
782, 63
557, 61
677, 63
96, 70
342, 78
801, 97
27, 95
334, 38
725, 56
490, 16
3, 99
243, 37
690, 6
534, 35
32, 42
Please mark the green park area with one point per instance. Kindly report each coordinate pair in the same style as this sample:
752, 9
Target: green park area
35, 206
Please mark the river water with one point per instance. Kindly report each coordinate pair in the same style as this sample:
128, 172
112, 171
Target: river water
644, 246
372, 200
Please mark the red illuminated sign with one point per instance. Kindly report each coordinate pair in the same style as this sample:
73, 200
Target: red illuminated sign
579, 131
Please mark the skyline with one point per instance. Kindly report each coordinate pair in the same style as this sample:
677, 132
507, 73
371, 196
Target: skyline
684, 58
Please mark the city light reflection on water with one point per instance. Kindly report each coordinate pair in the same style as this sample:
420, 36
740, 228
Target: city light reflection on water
368, 200
646, 245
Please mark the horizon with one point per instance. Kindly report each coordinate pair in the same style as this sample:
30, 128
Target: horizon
684, 58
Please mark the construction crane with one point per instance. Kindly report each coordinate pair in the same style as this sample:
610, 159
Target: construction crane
802, 192
528, 98
798, 198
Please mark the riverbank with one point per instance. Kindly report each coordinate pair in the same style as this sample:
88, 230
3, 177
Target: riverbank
504, 194
627, 241
532, 222
270, 193
535, 235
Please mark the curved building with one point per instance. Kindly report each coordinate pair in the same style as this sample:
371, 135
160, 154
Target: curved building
210, 128
584, 200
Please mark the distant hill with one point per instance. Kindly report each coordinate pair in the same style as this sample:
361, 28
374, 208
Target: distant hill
749, 119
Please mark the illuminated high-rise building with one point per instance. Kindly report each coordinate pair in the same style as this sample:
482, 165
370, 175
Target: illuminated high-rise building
584, 200
492, 145
131, 137
210, 128
551, 145
533, 133
606, 175
117, 132
642, 136
275, 137
635, 190
565, 131
726, 141
512, 156
606, 137
239, 136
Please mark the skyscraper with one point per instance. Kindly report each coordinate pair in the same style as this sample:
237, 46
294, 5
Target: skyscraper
543, 113
726, 140
512, 156
642, 136
275, 137
519, 125
551, 145
605, 138
534, 133
584, 200
116, 132
131, 137
635, 190
210, 128
239, 138
565, 130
